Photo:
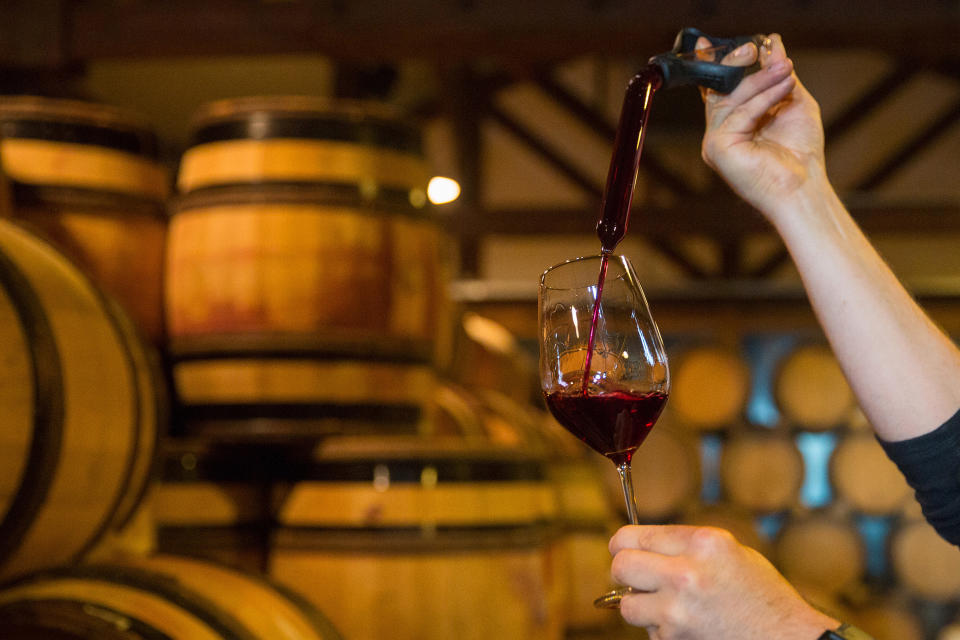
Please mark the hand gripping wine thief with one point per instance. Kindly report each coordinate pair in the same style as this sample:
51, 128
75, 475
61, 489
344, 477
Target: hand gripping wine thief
682, 65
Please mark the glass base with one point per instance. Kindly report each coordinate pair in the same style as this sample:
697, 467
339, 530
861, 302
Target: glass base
611, 599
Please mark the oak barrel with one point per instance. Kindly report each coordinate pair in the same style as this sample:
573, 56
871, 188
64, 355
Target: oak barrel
811, 390
761, 471
80, 407
866, 478
157, 597
306, 275
415, 538
924, 562
709, 386
822, 551
87, 177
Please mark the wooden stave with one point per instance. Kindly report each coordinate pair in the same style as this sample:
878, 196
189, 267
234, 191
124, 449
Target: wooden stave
486, 355
63, 401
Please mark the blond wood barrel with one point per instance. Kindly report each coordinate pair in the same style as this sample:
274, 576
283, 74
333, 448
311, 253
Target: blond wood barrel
821, 551
157, 597
306, 274
422, 539
924, 562
866, 478
80, 407
86, 176
811, 390
761, 471
709, 386
292, 299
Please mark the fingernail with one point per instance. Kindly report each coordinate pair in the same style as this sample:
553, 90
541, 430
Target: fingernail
741, 50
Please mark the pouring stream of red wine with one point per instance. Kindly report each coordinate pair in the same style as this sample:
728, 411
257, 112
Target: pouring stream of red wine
621, 179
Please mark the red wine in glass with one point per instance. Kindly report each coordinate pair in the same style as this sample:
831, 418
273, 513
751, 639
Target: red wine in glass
612, 423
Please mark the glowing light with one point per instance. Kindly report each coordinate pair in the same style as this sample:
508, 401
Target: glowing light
442, 190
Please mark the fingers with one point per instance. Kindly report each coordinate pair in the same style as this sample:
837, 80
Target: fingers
770, 55
779, 82
671, 540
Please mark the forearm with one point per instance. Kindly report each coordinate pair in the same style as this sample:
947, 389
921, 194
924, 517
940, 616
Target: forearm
903, 369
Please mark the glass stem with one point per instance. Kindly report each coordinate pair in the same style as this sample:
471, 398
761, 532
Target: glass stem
628, 495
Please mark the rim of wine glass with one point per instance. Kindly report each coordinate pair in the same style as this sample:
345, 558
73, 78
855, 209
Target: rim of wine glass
628, 271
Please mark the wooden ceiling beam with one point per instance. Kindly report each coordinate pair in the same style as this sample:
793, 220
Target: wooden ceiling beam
870, 100
911, 148
554, 159
596, 121
532, 30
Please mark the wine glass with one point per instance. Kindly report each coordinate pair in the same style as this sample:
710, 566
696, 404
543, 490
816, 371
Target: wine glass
603, 368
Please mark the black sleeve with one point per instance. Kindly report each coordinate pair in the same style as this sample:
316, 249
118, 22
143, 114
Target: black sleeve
931, 464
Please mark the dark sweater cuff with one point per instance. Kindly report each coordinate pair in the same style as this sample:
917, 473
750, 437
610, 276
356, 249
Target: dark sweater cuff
931, 465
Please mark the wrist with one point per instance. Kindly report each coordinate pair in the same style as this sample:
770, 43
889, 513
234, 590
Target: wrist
813, 200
